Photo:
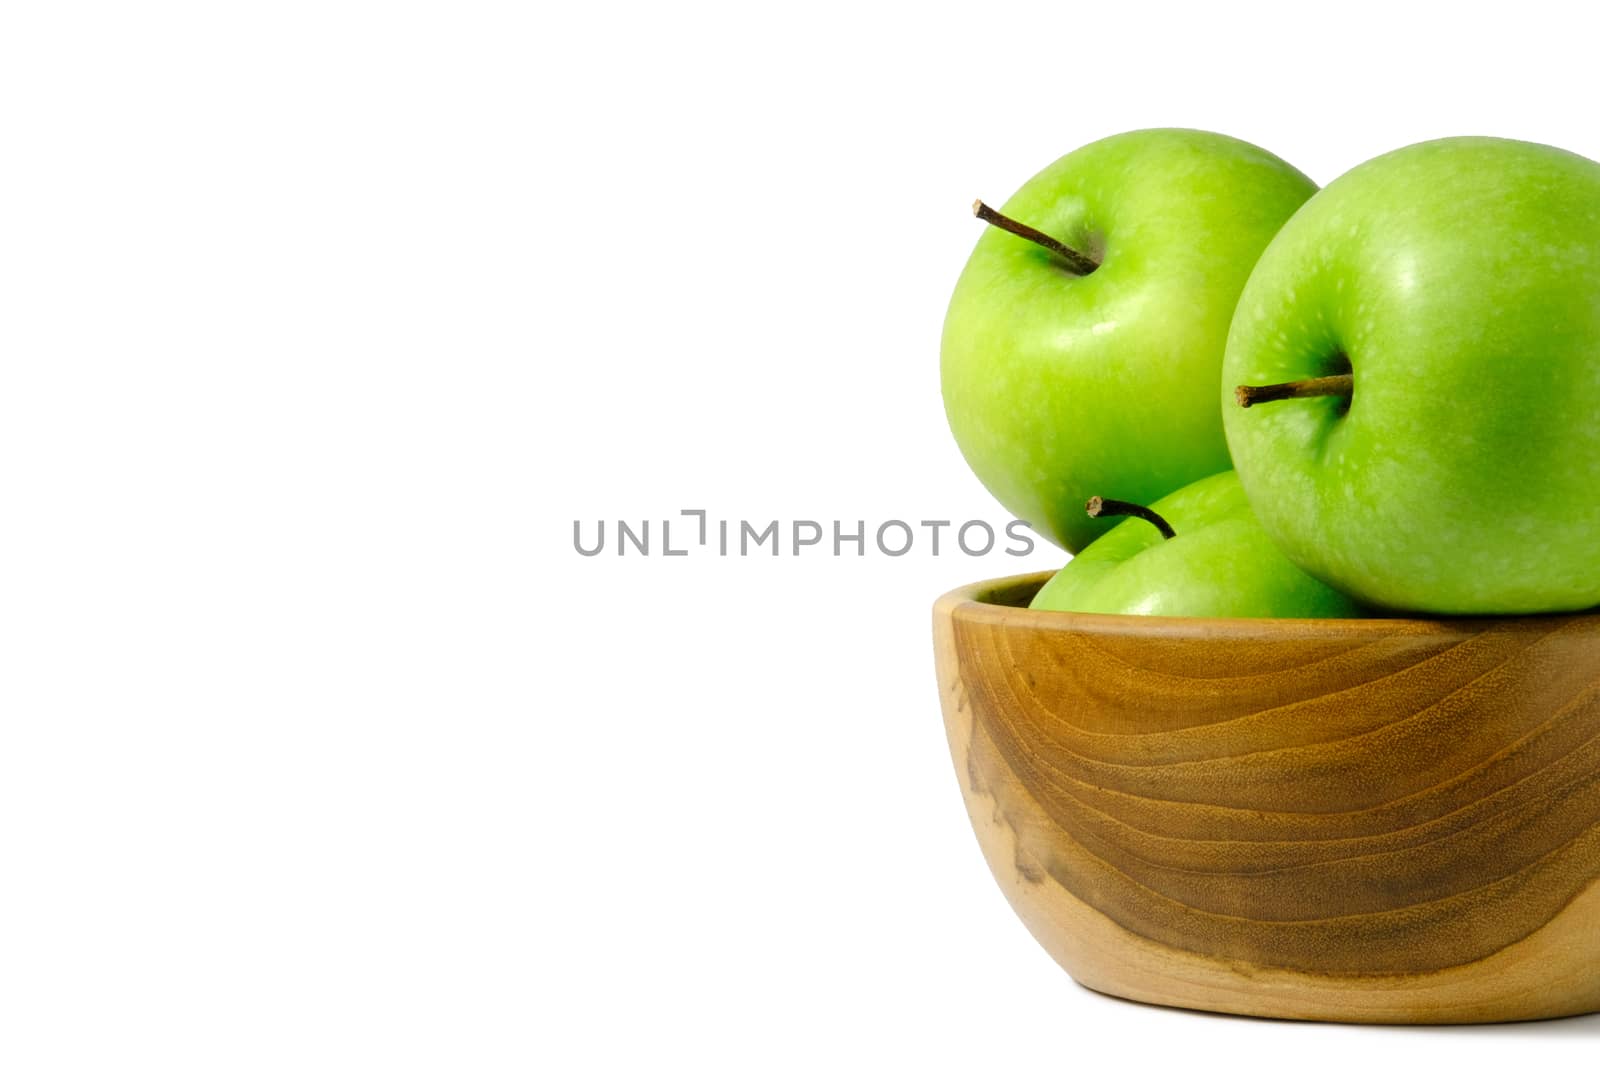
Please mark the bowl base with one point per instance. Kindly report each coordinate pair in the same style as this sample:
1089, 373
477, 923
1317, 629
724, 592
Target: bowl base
1550, 974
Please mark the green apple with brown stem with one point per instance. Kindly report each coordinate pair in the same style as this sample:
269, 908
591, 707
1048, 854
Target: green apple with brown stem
1199, 552
1084, 340
1419, 350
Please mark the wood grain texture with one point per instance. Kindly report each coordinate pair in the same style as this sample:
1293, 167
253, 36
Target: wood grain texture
1360, 820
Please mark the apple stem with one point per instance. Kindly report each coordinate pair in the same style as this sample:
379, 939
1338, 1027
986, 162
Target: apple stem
1099, 507
1076, 261
1333, 385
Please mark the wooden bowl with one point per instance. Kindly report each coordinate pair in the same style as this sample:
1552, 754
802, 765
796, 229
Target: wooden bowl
1366, 820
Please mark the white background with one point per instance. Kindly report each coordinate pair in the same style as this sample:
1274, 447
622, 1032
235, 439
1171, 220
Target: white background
322, 322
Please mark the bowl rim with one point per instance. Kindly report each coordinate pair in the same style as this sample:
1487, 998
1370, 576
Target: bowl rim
1004, 602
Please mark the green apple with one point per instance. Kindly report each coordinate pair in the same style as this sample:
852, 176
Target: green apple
1059, 383
1218, 562
1444, 456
